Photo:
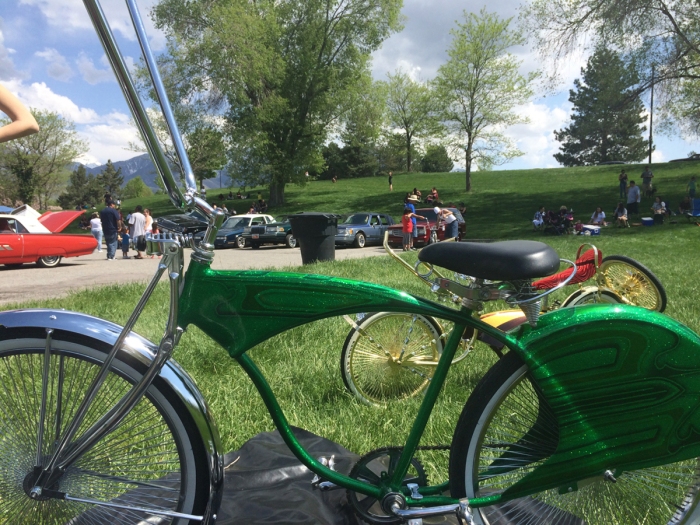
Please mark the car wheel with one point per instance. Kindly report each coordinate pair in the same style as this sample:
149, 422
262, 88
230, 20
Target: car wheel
49, 261
255, 245
290, 241
359, 240
240, 242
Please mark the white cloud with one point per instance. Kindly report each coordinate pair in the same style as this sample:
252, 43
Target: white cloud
39, 95
91, 74
7, 66
536, 139
58, 67
70, 15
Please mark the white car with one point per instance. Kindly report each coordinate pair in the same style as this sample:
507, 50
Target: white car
227, 237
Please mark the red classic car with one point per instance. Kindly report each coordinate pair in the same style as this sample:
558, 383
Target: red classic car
26, 236
428, 232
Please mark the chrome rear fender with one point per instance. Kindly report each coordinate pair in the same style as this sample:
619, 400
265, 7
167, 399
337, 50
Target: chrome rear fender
143, 351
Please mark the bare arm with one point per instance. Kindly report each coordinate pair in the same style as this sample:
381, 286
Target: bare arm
23, 123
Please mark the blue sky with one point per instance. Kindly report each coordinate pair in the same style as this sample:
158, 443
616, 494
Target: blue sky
51, 58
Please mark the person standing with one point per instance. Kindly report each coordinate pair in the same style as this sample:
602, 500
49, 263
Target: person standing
623, 184
111, 225
691, 187
391, 181
633, 198
411, 200
137, 229
149, 219
96, 229
450, 220
408, 225
647, 175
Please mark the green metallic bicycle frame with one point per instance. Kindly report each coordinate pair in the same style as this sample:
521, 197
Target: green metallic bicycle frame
602, 370
239, 309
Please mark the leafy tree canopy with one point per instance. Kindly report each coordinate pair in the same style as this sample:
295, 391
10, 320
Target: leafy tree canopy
479, 87
38, 163
82, 189
436, 160
411, 107
285, 68
607, 120
656, 35
111, 179
136, 188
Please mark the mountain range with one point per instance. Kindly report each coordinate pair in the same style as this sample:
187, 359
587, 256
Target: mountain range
142, 166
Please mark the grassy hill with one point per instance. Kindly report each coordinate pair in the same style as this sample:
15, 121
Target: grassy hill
500, 205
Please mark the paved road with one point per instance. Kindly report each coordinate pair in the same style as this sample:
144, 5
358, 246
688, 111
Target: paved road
77, 273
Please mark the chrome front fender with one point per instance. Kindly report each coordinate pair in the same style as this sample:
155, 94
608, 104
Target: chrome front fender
143, 351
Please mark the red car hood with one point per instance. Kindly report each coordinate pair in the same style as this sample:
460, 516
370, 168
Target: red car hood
56, 221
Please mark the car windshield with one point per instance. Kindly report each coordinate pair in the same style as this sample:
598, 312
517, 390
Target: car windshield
282, 218
358, 218
196, 215
235, 222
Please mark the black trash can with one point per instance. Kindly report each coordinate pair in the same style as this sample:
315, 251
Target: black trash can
315, 233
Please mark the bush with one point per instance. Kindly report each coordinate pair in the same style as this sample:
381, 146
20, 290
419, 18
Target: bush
436, 160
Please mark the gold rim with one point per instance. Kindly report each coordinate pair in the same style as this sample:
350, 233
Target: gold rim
391, 357
630, 283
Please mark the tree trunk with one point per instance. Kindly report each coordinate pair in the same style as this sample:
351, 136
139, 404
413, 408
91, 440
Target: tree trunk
408, 154
468, 167
276, 193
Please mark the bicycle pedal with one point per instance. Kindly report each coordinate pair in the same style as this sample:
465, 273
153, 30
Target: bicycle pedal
318, 480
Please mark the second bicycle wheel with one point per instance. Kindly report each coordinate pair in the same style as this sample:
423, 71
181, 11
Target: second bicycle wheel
153, 459
506, 430
386, 357
632, 281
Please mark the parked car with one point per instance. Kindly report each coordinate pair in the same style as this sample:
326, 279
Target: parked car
360, 229
228, 234
185, 223
26, 236
428, 232
278, 232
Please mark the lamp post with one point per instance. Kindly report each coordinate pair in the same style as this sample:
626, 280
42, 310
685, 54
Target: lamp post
651, 116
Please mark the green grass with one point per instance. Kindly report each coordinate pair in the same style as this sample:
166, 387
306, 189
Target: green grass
302, 365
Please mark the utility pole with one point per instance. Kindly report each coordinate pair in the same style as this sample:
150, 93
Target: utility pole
651, 116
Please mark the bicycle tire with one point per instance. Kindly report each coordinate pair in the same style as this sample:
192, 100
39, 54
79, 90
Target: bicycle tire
370, 364
632, 281
153, 459
589, 295
506, 428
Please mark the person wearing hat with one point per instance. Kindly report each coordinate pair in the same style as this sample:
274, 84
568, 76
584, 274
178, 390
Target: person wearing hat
411, 200
451, 223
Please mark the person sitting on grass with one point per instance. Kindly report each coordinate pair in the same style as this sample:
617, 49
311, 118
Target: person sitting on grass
659, 209
598, 217
685, 206
538, 219
407, 227
621, 215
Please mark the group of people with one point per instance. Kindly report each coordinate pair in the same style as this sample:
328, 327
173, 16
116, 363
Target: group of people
118, 231
625, 187
409, 223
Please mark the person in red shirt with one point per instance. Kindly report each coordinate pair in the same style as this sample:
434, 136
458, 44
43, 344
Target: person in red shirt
407, 227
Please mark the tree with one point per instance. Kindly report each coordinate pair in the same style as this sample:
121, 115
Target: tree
206, 152
82, 189
135, 189
286, 69
607, 120
436, 160
479, 86
411, 108
38, 163
661, 38
111, 179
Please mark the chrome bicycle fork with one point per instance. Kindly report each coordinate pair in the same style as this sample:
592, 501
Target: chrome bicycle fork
69, 450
